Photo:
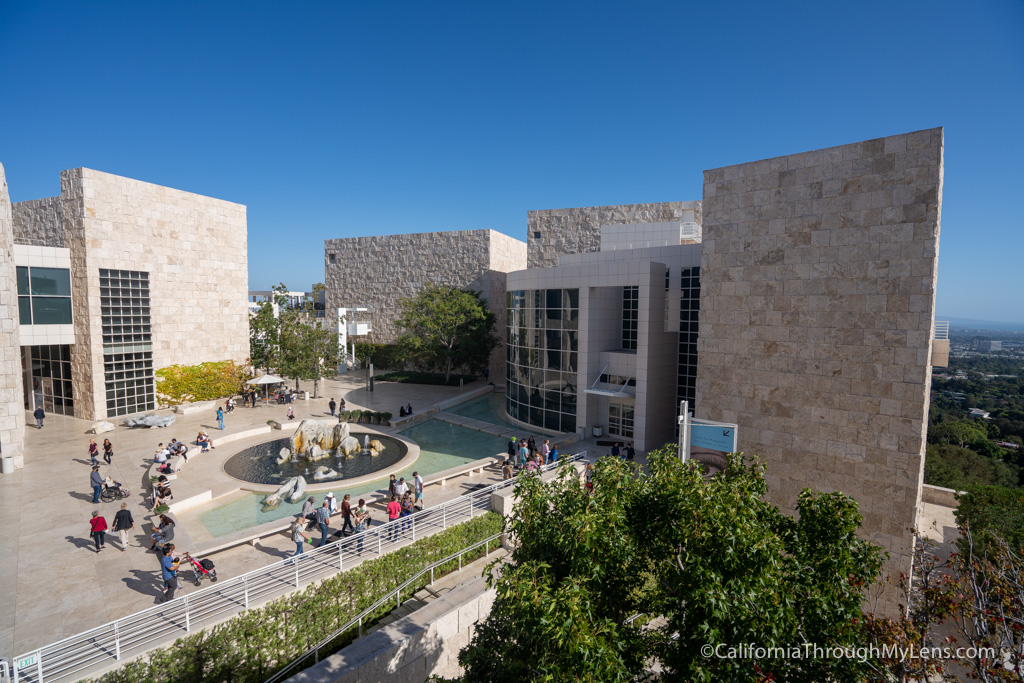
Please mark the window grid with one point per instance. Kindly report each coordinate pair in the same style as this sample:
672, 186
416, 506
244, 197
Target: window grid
689, 329
50, 378
542, 351
620, 419
44, 295
630, 316
127, 341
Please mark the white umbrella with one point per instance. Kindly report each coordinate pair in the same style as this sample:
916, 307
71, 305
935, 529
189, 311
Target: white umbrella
266, 379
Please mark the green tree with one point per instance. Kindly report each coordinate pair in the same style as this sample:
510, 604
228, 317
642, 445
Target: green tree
309, 348
264, 337
708, 559
444, 327
961, 433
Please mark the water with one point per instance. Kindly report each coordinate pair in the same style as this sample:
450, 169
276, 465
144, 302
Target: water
258, 463
489, 408
442, 446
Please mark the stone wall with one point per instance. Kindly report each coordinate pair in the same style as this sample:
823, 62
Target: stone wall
379, 271
195, 251
40, 222
578, 230
12, 407
818, 294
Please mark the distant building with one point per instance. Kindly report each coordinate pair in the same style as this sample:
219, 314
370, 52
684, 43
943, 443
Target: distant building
978, 414
990, 346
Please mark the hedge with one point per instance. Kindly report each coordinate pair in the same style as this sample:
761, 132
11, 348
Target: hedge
416, 377
384, 356
255, 644
178, 384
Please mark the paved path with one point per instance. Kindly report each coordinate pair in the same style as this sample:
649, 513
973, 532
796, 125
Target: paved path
53, 584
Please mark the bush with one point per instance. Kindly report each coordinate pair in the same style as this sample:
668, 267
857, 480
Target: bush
956, 467
177, 384
355, 416
259, 641
416, 377
992, 509
384, 356
343, 416
385, 418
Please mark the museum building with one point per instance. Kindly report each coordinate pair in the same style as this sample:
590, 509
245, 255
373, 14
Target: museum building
107, 283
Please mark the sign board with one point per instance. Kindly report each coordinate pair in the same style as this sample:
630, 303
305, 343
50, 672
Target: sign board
712, 437
25, 663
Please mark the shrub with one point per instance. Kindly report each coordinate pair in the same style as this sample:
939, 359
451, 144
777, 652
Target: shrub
178, 384
354, 416
254, 644
992, 509
343, 416
416, 377
385, 418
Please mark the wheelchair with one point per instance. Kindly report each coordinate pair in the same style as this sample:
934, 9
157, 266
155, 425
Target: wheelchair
112, 493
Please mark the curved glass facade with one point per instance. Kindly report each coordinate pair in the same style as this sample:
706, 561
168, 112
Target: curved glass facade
543, 343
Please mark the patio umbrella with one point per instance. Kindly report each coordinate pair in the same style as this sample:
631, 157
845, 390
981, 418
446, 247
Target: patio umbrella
266, 380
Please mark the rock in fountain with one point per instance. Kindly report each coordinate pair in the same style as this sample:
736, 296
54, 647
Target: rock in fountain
323, 472
327, 435
284, 456
316, 453
349, 446
292, 490
376, 447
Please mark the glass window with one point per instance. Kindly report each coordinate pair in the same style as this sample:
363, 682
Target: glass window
22, 279
51, 310
51, 281
24, 310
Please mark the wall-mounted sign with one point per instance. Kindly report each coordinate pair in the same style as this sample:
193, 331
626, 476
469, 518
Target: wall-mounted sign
712, 437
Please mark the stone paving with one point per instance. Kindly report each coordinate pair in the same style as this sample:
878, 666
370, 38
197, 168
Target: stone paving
54, 584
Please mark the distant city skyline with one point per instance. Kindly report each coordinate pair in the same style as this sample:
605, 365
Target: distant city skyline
340, 121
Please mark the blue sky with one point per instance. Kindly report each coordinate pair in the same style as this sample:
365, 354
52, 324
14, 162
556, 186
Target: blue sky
344, 119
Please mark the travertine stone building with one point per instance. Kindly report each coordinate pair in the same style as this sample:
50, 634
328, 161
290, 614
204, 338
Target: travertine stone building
379, 271
555, 232
818, 295
12, 410
116, 278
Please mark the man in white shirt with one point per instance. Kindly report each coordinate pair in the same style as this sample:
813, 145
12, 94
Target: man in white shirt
402, 488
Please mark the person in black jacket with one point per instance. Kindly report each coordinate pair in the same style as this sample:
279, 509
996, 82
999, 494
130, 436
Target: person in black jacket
39, 415
123, 523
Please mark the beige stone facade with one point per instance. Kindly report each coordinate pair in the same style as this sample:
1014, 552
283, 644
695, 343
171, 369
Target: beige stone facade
555, 232
818, 295
379, 271
193, 248
12, 410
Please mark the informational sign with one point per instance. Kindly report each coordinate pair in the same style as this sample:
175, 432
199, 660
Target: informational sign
25, 663
712, 437
706, 434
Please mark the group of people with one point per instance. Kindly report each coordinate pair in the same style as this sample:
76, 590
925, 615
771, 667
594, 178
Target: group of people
123, 523
405, 411
94, 452
524, 454
356, 520
336, 406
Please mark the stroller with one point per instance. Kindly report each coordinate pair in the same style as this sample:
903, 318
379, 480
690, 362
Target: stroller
201, 569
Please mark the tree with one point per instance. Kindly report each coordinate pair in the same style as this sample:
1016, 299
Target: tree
264, 337
961, 433
444, 327
708, 559
309, 349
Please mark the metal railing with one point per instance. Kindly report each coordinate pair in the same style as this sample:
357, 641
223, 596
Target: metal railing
396, 595
941, 329
77, 655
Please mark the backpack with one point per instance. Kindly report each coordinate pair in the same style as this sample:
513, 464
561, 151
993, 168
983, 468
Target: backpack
206, 564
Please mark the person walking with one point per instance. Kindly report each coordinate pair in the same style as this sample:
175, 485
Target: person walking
169, 572
108, 451
630, 453
96, 481
299, 534
394, 512
615, 450
323, 520
220, 418
392, 484
362, 517
98, 530
39, 415
332, 405
346, 514
94, 451
123, 523
417, 488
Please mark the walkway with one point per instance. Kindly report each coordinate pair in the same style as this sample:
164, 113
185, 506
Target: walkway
53, 584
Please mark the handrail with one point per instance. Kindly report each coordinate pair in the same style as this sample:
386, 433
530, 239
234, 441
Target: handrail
395, 593
137, 633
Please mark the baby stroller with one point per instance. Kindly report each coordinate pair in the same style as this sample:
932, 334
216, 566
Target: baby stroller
201, 569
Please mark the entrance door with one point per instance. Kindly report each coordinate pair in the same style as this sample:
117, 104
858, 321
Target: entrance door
46, 384
620, 419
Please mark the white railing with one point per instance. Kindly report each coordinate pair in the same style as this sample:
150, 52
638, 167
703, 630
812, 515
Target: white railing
78, 655
941, 329
396, 595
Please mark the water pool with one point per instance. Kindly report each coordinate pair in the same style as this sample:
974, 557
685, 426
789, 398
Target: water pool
442, 446
489, 408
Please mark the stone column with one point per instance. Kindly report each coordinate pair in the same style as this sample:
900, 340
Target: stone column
12, 408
